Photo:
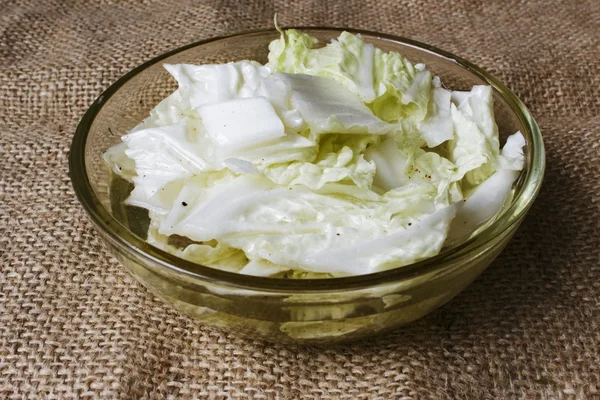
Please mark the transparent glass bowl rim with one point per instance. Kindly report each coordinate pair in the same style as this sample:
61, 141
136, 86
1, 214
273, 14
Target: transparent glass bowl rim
123, 238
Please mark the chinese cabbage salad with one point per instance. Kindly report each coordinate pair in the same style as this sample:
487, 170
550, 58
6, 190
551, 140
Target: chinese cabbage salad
332, 159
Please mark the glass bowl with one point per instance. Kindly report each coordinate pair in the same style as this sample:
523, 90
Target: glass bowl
284, 310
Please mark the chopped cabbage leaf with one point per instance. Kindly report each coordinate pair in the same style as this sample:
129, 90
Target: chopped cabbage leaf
328, 107
438, 126
204, 84
512, 156
476, 146
215, 83
424, 239
241, 123
118, 161
332, 160
163, 157
290, 226
398, 166
212, 253
388, 82
488, 198
333, 164
349, 60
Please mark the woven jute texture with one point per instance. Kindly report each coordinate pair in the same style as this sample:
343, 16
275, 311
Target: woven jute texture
74, 324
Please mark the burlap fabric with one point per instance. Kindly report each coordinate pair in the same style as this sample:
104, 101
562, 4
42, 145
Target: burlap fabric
74, 324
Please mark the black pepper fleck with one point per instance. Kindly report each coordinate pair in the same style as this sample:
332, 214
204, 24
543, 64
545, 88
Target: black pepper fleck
183, 203
410, 224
